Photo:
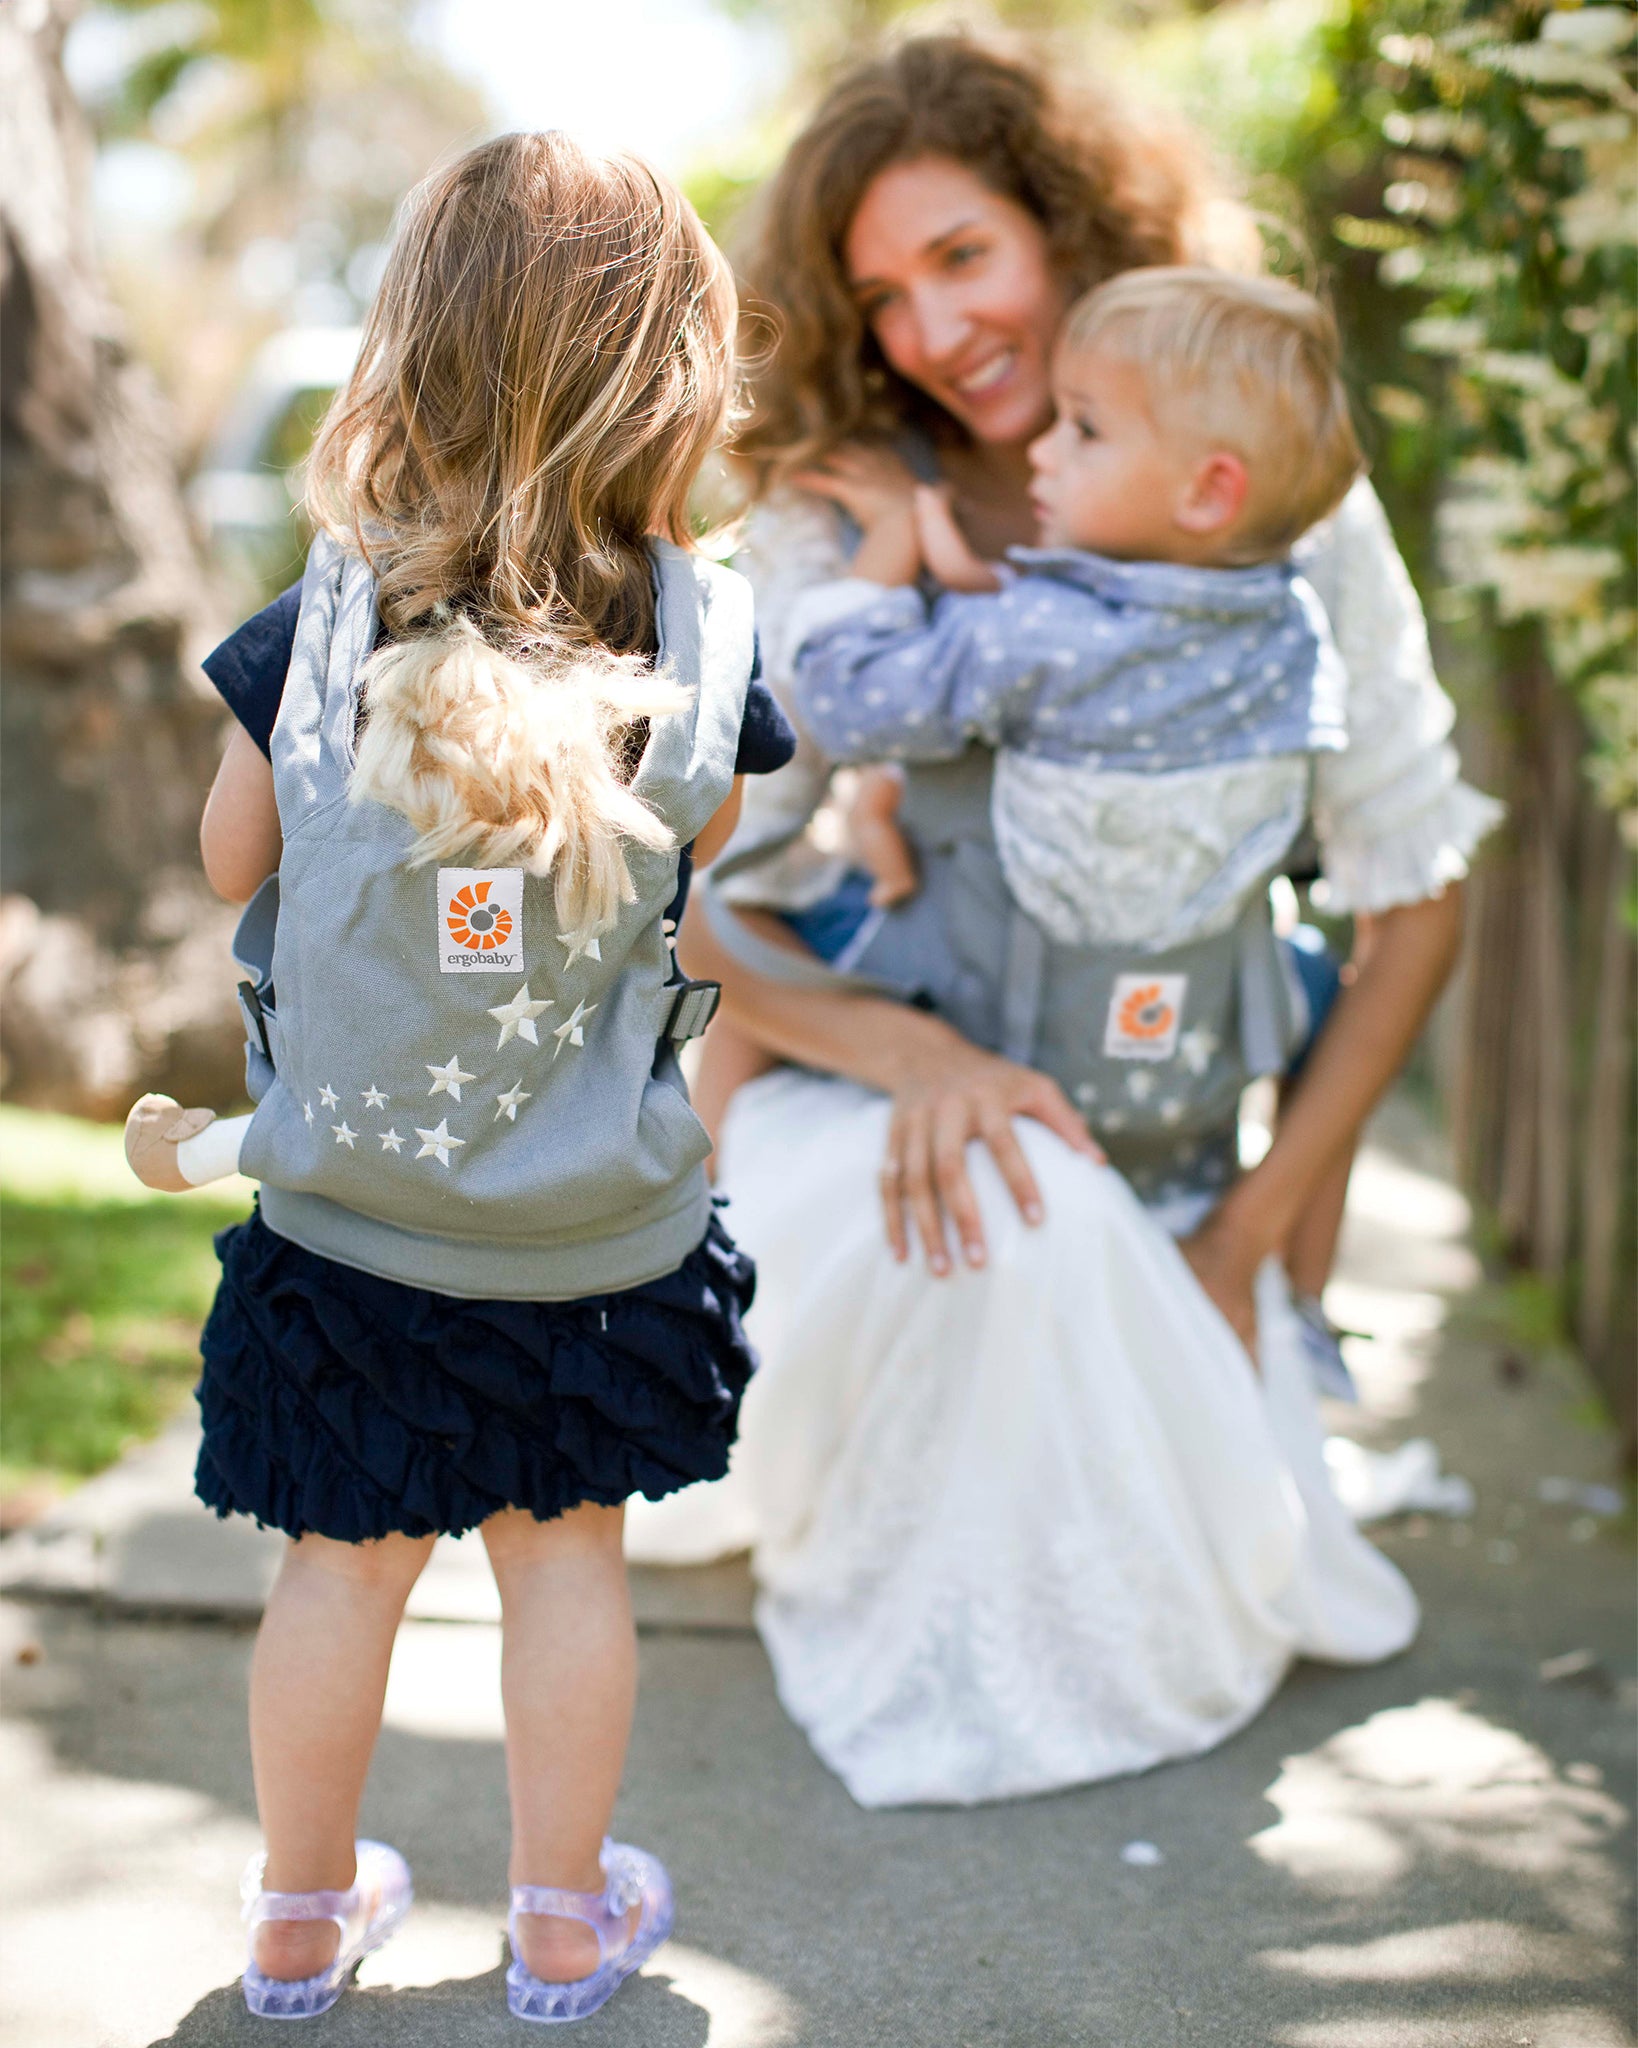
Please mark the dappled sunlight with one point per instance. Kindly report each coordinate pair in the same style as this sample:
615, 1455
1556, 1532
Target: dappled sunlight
438, 1944
1384, 1190
1496, 2027
746, 2011
1437, 1782
443, 1688
1466, 1951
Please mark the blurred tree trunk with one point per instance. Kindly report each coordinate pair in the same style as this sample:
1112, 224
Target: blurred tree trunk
1543, 1097
111, 953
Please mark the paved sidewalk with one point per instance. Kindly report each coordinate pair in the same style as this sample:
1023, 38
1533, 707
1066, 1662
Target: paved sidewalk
1431, 1854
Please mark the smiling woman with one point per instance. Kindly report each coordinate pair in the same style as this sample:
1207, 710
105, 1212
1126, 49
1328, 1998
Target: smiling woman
1023, 1514
967, 204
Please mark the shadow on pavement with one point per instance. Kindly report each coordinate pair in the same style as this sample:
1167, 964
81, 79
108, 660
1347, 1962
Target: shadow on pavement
647, 2013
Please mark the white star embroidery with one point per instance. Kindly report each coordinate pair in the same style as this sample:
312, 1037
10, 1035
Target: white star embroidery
374, 1099
439, 1141
1086, 1094
307, 1111
1197, 1047
447, 1079
517, 1018
343, 1135
570, 1031
588, 949
1171, 1112
391, 1142
509, 1103
1140, 1084
328, 1097
1114, 1121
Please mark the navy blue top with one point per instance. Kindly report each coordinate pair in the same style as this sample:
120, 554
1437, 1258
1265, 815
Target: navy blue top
250, 666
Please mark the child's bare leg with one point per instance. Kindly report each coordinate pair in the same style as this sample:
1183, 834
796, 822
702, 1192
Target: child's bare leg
317, 1681
874, 838
728, 1059
568, 1682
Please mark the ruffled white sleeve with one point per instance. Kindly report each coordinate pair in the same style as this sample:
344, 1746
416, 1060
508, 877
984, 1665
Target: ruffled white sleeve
1394, 819
793, 546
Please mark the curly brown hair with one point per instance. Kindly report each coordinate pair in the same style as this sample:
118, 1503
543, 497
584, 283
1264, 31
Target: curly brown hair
1111, 191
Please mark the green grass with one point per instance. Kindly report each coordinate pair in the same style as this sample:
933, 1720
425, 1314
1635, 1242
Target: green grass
103, 1288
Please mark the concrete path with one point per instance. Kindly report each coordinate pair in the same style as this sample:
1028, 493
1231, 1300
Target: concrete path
1432, 1854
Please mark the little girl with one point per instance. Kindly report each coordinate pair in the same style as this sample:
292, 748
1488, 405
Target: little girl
485, 1285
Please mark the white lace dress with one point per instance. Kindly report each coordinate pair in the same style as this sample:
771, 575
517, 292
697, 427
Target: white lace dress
1042, 1524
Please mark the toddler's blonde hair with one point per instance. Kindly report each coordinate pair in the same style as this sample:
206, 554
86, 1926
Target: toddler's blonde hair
548, 362
1250, 364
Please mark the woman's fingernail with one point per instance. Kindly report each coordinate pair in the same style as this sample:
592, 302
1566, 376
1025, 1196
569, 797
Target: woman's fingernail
1032, 1212
974, 1254
939, 1264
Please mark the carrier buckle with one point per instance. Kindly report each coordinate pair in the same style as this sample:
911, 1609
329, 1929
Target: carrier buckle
695, 1006
250, 1008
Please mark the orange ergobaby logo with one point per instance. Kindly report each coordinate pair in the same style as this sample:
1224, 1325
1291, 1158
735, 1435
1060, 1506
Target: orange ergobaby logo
475, 923
1146, 1013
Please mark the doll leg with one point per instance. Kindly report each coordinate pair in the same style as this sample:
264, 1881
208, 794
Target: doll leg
174, 1149
317, 1682
568, 1683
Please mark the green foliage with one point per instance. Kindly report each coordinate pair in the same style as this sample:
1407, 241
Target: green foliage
103, 1289
1511, 208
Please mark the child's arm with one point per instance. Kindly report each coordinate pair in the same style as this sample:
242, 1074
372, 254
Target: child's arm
891, 677
944, 546
239, 835
713, 837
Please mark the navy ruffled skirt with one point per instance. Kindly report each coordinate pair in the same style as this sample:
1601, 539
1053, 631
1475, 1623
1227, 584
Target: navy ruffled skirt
342, 1405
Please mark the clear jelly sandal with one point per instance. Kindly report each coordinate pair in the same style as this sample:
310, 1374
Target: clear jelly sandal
633, 1878
366, 1916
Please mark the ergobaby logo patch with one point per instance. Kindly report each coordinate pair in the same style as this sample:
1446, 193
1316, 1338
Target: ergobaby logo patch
480, 920
1145, 1014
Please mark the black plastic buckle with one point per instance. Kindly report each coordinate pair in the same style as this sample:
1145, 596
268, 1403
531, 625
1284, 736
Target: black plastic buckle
250, 1008
694, 1008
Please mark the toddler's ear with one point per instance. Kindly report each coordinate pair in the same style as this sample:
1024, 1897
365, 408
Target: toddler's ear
1214, 496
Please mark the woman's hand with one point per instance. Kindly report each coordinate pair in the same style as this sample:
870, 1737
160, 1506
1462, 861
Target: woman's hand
878, 492
937, 1110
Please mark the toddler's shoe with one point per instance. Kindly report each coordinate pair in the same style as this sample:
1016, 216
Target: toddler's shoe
1322, 1347
633, 1878
366, 1915
153, 1130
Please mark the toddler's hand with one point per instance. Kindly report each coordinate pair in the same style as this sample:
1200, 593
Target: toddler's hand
874, 837
876, 490
944, 546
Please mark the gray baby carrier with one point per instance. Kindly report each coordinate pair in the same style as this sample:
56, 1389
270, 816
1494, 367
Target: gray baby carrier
1154, 1048
445, 1096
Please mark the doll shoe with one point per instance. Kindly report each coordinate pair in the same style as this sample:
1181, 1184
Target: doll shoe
153, 1130
366, 1915
633, 1878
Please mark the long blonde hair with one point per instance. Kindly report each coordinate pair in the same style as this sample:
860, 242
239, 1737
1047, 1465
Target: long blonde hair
1111, 190
548, 362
